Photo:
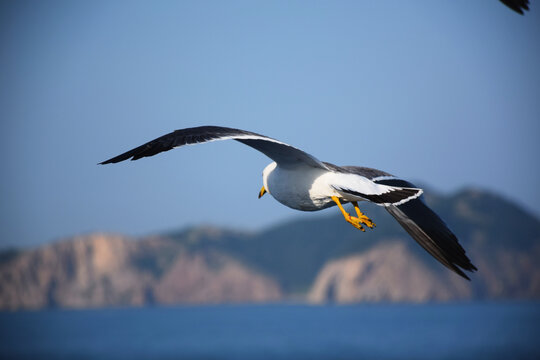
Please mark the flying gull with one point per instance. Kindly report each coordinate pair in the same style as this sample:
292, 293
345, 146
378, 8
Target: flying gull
302, 182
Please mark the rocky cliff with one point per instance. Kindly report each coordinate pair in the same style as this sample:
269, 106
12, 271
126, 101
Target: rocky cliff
110, 270
388, 272
391, 272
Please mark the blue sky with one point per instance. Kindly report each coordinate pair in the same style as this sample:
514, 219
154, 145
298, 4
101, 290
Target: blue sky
446, 93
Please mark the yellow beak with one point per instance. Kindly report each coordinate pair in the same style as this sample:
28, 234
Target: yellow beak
262, 192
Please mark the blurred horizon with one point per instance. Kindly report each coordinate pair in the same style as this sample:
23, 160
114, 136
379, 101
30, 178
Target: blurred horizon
443, 93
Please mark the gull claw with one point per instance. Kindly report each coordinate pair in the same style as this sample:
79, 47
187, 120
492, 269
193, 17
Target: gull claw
354, 221
367, 221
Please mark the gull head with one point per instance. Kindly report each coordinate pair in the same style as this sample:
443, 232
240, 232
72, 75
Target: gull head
266, 172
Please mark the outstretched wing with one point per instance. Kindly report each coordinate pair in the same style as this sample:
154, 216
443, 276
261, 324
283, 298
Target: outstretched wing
285, 155
424, 225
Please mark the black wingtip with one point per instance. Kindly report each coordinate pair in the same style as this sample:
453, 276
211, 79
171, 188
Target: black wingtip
452, 266
517, 5
433, 235
460, 273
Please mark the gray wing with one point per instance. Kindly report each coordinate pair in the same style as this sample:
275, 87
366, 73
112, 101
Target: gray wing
283, 154
424, 225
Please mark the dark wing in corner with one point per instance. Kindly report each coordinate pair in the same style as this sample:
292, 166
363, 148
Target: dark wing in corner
424, 226
517, 5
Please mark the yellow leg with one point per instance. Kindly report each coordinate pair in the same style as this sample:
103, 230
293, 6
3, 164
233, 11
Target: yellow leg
361, 217
350, 219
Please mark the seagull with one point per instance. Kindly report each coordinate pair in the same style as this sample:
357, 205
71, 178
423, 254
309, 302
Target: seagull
302, 182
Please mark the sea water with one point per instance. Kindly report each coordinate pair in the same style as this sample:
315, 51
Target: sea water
373, 331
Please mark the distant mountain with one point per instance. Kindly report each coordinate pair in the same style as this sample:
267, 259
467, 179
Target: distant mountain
321, 259
387, 272
111, 270
493, 230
